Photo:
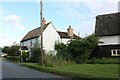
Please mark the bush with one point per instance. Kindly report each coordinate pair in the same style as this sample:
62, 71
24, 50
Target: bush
24, 56
15, 58
104, 61
61, 49
35, 54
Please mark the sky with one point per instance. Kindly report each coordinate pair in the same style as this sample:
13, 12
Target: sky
18, 17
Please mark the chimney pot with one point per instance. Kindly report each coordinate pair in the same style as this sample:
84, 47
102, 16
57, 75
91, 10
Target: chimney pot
43, 21
70, 31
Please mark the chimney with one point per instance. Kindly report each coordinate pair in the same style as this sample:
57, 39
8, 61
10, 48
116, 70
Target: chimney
70, 31
43, 22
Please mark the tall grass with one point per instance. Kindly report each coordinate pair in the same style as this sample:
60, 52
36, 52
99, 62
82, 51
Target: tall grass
51, 61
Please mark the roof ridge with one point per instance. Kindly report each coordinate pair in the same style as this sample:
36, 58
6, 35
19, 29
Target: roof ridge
62, 31
39, 27
106, 14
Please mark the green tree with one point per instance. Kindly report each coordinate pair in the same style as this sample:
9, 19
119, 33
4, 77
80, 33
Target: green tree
14, 49
6, 49
11, 50
80, 49
24, 56
61, 49
0, 49
35, 53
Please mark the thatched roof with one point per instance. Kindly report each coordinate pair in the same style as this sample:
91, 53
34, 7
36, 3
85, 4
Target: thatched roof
108, 24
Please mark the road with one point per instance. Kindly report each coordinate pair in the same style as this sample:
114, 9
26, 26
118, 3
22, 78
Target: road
12, 70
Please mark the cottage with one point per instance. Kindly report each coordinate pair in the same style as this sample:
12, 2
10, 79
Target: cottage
108, 29
50, 36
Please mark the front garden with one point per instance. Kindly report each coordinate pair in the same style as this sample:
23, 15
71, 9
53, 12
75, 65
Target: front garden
72, 59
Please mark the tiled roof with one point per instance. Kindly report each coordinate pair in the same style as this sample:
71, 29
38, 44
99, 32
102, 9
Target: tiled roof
64, 35
36, 32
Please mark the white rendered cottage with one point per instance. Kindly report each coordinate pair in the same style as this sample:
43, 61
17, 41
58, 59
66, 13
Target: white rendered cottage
50, 36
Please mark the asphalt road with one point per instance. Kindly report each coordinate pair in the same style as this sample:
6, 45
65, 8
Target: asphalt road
12, 70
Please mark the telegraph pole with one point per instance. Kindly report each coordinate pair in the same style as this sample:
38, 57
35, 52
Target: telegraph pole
41, 32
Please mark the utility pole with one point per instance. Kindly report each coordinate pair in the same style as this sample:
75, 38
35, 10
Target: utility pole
41, 32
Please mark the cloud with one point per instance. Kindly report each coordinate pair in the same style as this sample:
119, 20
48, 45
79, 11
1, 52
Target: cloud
14, 20
57, 0
5, 41
102, 7
1, 10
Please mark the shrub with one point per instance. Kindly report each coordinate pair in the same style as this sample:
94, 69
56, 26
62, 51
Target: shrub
61, 49
24, 56
35, 54
80, 50
15, 58
104, 61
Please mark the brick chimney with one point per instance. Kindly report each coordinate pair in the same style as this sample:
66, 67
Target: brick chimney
70, 31
43, 21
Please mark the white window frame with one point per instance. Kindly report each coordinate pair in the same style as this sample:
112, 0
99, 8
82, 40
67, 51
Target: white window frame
116, 54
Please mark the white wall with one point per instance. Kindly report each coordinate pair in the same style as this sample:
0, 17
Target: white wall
50, 36
28, 43
65, 40
109, 40
22, 43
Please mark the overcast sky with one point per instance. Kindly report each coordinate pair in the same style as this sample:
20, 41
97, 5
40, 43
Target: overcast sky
17, 17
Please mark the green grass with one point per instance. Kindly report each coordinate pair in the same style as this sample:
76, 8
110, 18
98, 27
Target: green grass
80, 70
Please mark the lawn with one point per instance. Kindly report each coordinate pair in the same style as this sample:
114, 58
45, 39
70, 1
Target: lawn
80, 70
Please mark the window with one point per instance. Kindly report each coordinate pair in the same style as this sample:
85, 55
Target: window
31, 43
118, 52
115, 52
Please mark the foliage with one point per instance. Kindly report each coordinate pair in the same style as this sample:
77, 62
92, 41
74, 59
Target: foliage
35, 54
51, 61
77, 50
24, 56
6, 49
93, 41
14, 49
61, 49
104, 61
0, 49
11, 50
81, 49
15, 58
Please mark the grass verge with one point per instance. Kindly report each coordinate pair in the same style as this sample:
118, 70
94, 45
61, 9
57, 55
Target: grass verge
80, 70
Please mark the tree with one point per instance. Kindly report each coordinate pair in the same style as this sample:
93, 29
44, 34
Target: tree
0, 49
80, 49
61, 49
24, 56
93, 40
6, 49
11, 50
35, 53
14, 50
